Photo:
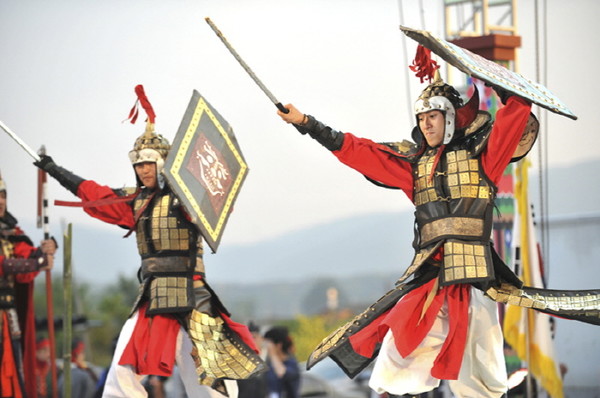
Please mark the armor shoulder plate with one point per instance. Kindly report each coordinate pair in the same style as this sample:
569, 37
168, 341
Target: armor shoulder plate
477, 133
8, 221
527, 138
405, 149
125, 191
20, 238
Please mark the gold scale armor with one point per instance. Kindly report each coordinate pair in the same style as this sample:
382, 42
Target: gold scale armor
463, 198
171, 251
454, 210
7, 294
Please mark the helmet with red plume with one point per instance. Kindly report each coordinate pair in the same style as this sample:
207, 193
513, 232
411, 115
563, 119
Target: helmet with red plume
442, 97
150, 146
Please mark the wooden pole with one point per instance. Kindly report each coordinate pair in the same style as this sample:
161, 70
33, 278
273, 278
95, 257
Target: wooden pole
67, 320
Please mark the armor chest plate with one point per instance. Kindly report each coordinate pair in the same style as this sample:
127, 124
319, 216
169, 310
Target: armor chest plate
162, 227
455, 201
458, 176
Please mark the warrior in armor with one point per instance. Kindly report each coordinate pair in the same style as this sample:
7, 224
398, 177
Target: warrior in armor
20, 263
438, 323
177, 317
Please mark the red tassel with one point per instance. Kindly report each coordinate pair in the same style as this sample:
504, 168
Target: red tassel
133, 113
423, 66
438, 155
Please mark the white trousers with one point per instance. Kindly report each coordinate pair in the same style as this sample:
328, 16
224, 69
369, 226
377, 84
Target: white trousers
482, 373
123, 382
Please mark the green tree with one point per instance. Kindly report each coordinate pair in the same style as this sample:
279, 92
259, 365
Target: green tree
106, 309
308, 331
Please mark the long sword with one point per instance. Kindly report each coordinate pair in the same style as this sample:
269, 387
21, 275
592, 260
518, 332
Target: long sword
246, 67
19, 141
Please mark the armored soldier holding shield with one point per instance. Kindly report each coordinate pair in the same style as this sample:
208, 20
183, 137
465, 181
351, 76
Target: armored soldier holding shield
177, 317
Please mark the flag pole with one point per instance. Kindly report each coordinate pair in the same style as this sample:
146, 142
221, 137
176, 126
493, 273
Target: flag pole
42, 221
522, 206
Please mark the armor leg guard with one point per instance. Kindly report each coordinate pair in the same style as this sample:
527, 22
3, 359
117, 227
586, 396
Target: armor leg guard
580, 305
218, 352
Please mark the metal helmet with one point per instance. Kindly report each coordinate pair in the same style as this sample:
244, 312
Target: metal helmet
443, 97
151, 147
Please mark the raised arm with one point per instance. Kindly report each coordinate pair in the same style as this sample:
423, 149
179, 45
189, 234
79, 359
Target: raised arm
118, 212
505, 136
367, 157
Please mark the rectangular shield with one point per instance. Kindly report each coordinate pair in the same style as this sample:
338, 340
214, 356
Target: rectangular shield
205, 168
489, 71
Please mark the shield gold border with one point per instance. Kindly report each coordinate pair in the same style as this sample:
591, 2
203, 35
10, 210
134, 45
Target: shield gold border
185, 137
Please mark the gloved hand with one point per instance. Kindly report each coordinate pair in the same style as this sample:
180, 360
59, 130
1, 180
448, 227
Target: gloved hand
45, 163
502, 93
323, 134
64, 177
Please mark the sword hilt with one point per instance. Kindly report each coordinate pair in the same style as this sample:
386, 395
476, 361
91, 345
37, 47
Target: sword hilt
282, 108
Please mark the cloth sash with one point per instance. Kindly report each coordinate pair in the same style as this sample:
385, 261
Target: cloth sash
151, 348
9, 374
410, 320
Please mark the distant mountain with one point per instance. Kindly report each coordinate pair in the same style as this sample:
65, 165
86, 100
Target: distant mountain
571, 189
361, 257
363, 245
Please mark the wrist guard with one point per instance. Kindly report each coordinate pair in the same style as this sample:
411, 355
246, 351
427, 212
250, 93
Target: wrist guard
12, 266
324, 135
63, 176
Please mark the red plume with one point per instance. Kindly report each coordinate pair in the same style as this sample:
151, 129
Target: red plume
143, 100
139, 90
423, 66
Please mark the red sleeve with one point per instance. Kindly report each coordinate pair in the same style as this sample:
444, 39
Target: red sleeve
372, 160
23, 250
505, 136
115, 213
